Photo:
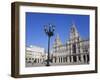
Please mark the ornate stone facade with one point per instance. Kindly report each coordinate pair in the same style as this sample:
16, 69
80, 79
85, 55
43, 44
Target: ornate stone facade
74, 51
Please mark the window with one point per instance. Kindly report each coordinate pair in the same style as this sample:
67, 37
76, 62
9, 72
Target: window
32, 58
74, 48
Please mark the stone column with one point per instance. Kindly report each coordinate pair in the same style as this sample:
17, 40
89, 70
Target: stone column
68, 59
82, 59
72, 59
57, 59
86, 57
60, 59
77, 58
81, 50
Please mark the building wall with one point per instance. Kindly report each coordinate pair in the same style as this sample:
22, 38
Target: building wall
34, 55
75, 51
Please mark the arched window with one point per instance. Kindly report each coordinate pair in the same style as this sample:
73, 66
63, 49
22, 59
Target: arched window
74, 48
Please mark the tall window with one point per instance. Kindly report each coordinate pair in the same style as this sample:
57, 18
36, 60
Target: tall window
74, 48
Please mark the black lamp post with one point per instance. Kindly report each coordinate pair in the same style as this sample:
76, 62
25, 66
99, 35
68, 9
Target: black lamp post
49, 30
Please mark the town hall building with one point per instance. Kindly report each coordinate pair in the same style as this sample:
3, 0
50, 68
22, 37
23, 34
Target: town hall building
74, 51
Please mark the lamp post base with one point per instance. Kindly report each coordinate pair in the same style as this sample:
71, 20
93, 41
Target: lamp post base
47, 64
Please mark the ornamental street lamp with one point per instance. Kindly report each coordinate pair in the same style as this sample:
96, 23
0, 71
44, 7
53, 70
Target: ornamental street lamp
49, 30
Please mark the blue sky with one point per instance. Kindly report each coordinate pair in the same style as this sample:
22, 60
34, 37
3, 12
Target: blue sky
35, 22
